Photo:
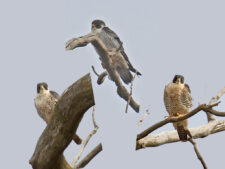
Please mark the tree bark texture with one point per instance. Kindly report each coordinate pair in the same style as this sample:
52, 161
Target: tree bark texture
69, 110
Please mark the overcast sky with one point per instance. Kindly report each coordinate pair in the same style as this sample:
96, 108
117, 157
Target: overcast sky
161, 38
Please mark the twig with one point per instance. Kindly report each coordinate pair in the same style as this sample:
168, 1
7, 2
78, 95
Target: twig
142, 119
89, 157
176, 119
197, 152
101, 77
216, 113
214, 99
93, 118
130, 95
86, 140
93, 68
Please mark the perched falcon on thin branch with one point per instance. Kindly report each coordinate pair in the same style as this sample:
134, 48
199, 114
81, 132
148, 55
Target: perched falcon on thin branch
111, 41
45, 102
178, 100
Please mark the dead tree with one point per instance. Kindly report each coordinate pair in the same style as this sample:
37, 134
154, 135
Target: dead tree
58, 134
121, 90
146, 139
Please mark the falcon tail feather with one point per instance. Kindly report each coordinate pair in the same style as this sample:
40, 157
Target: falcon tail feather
182, 133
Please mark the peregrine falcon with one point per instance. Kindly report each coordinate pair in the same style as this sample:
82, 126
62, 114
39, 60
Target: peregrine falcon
112, 41
45, 102
178, 100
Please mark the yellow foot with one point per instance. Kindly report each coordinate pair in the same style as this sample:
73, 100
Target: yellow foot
179, 115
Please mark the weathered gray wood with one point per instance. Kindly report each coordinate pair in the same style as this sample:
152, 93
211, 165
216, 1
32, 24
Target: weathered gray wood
71, 107
91, 38
202, 107
89, 157
214, 99
153, 140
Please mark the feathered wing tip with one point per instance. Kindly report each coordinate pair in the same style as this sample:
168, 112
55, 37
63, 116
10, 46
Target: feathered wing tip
135, 71
125, 75
138, 73
182, 133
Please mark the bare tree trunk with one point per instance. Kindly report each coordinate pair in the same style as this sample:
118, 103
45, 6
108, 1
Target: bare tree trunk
71, 107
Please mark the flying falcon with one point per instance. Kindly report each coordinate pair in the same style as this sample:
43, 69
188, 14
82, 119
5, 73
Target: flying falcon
112, 41
45, 102
178, 100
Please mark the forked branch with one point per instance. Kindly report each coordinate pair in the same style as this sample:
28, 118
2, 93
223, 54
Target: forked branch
197, 152
86, 140
146, 139
215, 99
202, 107
154, 140
90, 38
69, 111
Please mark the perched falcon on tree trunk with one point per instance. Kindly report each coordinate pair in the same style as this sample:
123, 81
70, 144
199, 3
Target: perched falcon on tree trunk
111, 41
45, 102
178, 100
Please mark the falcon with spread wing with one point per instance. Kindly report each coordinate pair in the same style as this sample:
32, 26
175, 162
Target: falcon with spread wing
45, 102
178, 100
111, 41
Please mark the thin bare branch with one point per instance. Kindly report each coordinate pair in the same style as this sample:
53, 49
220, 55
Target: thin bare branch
93, 118
89, 157
197, 152
131, 89
93, 68
101, 77
206, 108
216, 113
142, 119
154, 140
214, 99
86, 140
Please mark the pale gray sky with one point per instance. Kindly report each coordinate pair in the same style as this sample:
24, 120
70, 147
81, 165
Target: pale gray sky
161, 38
